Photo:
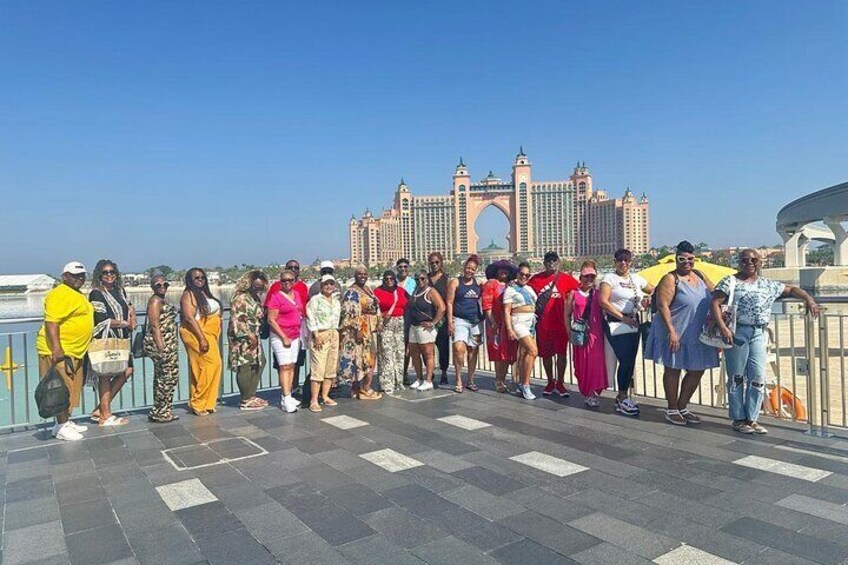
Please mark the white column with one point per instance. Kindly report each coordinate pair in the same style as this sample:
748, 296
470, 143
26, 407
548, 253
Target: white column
840, 241
792, 250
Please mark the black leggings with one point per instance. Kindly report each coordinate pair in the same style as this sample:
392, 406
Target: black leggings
443, 345
625, 347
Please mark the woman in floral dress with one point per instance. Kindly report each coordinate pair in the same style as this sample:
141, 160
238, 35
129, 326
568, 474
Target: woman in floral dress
247, 359
360, 322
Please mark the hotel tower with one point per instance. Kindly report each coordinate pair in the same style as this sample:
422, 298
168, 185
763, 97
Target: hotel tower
568, 216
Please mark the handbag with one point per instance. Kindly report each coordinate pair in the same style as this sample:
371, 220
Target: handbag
579, 335
710, 334
138, 350
109, 355
52, 396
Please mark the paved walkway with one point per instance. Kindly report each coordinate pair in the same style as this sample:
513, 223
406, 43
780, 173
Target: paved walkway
426, 478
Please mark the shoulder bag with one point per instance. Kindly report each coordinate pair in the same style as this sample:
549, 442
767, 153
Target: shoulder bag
109, 355
545, 296
579, 334
710, 334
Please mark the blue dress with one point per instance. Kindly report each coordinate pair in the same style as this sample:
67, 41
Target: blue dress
688, 312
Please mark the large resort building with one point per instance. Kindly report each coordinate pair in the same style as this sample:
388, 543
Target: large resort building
568, 216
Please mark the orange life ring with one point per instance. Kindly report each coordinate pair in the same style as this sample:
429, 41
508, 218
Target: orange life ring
785, 399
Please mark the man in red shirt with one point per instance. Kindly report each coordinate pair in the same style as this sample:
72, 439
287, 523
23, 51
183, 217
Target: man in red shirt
301, 289
551, 335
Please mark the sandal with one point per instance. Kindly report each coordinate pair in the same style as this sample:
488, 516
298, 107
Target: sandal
330, 402
689, 417
501, 387
112, 421
252, 404
95, 416
457, 389
674, 417
315, 408
473, 387
198, 412
369, 395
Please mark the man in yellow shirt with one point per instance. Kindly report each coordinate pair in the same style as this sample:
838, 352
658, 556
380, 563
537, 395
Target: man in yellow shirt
64, 339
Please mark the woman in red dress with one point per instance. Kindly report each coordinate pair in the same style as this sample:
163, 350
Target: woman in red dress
501, 349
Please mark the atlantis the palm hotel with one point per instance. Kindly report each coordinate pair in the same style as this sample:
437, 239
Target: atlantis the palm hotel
568, 216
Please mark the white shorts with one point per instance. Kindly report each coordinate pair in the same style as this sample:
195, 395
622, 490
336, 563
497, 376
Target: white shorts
422, 335
284, 355
471, 334
524, 324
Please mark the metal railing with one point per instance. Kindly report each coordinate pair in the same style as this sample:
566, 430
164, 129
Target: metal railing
806, 372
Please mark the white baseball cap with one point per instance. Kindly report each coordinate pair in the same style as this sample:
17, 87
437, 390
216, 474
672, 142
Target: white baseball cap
327, 278
74, 268
327, 265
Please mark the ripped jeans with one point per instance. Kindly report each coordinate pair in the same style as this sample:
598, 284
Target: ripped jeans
746, 373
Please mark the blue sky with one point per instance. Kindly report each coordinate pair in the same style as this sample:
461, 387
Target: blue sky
228, 132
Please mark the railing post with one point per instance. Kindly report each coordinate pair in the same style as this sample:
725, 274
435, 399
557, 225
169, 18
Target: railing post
824, 366
813, 417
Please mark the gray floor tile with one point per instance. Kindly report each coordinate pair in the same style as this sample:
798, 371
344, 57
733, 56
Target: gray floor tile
336, 525
403, 528
101, 545
208, 520
87, 515
307, 547
483, 503
788, 541
29, 489
635, 539
235, 546
32, 543
165, 545
30, 512
450, 551
527, 551
376, 549
550, 533
357, 500
489, 481
270, 521
79, 490
608, 554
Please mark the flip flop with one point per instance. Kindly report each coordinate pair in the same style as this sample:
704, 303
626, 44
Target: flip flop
473, 387
457, 389
330, 402
114, 421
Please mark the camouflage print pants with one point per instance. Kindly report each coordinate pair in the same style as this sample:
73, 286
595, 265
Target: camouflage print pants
166, 373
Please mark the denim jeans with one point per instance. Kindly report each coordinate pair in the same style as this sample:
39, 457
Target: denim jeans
625, 346
746, 372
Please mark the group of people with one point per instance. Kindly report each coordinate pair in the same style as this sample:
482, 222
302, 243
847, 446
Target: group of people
349, 332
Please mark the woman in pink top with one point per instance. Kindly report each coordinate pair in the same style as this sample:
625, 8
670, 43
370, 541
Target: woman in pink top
589, 365
285, 316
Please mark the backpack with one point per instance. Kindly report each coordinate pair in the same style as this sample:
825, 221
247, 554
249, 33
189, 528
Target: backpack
52, 395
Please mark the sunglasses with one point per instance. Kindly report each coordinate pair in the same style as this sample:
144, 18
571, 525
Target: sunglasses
421, 278
685, 259
80, 276
403, 266
161, 285
588, 276
622, 260
388, 278
523, 274
292, 267
107, 273
199, 278
749, 260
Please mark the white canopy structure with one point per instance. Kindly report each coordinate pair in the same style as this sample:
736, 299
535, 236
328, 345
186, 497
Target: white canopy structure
26, 283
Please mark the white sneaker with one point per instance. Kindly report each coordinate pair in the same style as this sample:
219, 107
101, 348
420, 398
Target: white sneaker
527, 393
67, 433
289, 404
426, 385
78, 427
416, 385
